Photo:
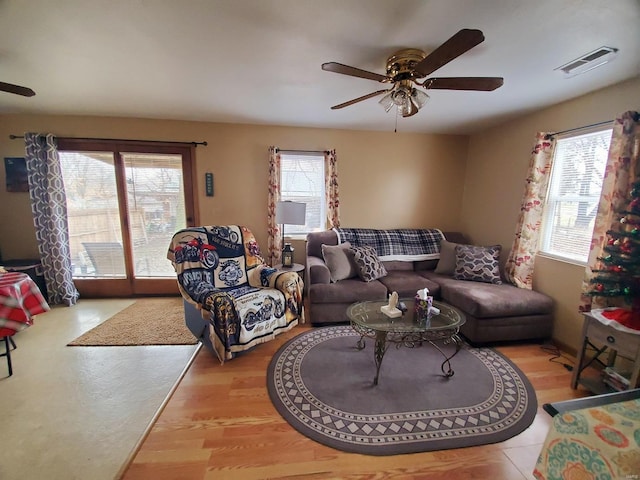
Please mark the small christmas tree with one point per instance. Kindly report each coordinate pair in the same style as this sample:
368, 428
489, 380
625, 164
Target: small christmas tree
617, 279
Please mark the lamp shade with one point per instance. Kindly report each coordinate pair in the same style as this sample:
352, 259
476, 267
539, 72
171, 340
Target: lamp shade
291, 213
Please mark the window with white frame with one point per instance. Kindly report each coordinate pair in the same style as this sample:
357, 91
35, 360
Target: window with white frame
302, 180
574, 193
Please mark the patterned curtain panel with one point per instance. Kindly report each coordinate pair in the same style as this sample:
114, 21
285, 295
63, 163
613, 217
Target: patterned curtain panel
49, 207
332, 192
519, 266
274, 241
623, 165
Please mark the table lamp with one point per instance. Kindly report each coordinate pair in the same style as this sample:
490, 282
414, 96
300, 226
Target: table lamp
289, 213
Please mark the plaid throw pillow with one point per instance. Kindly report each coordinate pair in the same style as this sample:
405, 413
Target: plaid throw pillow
478, 264
369, 265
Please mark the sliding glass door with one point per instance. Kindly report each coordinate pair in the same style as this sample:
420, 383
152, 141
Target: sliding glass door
124, 202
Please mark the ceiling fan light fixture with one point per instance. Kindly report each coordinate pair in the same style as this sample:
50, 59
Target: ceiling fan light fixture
406, 67
387, 102
419, 98
400, 96
407, 100
407, 109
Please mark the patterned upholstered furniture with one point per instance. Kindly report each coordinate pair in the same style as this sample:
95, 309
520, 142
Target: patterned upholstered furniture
241, 301
495, 310
593, 441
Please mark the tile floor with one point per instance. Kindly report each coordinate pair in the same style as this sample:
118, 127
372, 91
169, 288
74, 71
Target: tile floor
78, 412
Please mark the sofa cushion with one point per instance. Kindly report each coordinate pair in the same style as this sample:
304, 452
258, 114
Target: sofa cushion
500, 329
407, 283
347, 291
394, 265
447, 263
485, 300
369, 265
317, 271
478, 264
315, 241
425, 265
339, 259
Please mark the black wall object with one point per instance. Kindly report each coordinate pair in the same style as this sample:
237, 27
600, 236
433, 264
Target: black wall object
16, 172
208, 182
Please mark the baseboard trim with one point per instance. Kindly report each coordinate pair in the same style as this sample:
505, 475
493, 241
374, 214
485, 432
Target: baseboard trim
565, 348
155, 417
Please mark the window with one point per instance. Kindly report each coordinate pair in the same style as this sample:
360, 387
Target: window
125, 199
302, 180
573, 196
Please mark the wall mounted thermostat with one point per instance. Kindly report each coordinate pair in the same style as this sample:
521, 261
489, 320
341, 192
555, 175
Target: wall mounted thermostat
208, 182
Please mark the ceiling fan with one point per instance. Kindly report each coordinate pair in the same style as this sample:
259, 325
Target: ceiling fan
406, 69
17, 89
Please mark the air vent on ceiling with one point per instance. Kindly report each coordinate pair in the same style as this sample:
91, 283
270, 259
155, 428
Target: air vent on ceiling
587, 62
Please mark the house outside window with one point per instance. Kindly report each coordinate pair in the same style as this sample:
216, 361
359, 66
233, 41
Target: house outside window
302, 180
573, 195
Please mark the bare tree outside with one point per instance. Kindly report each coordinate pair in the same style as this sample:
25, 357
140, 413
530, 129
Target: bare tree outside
574, 194
582, 159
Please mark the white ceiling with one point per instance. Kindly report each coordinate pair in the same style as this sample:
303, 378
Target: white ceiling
258, 61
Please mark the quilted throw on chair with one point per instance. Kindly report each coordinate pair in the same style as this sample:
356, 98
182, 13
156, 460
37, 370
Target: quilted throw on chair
221, 271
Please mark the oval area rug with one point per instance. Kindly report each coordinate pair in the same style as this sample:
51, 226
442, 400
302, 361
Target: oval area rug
323, 386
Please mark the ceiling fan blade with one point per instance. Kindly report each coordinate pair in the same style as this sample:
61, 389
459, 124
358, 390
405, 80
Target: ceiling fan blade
485, 84
17, 89
460, 43
359, 99
354, 72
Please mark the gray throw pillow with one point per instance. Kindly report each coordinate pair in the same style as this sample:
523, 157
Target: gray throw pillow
478, 264
339, 259
369, 265
447, 263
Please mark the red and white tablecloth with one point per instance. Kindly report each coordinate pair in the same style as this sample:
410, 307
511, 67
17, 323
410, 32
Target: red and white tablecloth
20, 300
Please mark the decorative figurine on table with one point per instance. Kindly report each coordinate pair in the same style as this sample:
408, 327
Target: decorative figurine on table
390, 310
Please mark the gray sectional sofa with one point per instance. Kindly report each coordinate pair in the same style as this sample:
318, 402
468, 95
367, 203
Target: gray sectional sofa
493, 312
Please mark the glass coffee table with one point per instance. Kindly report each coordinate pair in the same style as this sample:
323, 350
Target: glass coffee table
407, 330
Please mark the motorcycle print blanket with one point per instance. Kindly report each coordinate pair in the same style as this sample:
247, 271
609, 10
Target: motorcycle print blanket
221, 271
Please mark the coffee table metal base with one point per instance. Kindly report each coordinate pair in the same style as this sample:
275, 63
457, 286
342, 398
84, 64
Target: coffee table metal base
414, 339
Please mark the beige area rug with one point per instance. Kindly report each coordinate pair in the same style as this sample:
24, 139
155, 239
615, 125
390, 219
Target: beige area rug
149, 321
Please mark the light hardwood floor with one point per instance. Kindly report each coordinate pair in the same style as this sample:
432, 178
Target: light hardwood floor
220, 424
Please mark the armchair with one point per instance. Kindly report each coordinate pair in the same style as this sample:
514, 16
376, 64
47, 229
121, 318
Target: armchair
242, 301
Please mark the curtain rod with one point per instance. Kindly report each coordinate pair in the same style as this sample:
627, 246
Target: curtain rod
549, 135
195, 144
294, 152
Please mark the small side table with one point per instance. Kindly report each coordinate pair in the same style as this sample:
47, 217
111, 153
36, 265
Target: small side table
20, 301
615, 342
296, 267
32, 267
